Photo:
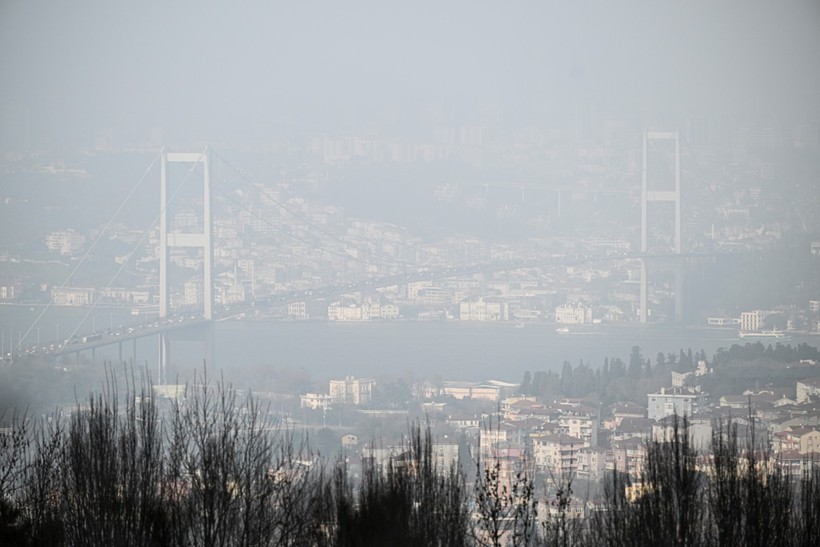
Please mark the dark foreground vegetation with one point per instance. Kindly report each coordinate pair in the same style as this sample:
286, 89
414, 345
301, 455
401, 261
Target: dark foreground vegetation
211, 469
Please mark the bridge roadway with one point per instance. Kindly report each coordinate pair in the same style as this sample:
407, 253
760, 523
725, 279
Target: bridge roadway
119, 335
179, 322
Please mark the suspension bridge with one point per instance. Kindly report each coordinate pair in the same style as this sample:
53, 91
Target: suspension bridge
174, 324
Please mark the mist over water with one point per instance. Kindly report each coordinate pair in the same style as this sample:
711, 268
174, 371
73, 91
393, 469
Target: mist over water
434, 350
470, 128
448, 351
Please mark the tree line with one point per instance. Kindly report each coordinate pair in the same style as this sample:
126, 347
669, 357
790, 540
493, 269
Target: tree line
619, 380
213, 469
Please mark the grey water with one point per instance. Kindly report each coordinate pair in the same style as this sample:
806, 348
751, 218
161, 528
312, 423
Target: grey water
443, 350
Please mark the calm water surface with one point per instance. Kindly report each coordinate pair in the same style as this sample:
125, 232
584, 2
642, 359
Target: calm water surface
447, 350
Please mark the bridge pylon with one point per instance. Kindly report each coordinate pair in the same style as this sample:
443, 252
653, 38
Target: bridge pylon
168, 240
652, 196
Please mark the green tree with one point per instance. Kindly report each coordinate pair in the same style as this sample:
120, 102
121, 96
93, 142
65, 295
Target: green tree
526, 383
660, 361
636, 363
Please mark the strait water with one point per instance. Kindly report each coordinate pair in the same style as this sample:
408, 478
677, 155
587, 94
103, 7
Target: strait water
434, 350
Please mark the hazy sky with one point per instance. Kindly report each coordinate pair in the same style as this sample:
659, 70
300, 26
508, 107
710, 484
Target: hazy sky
228, 70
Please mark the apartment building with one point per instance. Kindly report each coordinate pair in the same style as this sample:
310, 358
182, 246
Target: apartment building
355, 391
675, 400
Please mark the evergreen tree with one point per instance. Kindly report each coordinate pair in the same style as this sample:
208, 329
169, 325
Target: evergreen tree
660, 361
566, 379
526, 383
636, 362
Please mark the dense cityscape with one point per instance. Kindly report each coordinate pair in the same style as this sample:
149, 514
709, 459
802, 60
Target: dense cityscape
422, 282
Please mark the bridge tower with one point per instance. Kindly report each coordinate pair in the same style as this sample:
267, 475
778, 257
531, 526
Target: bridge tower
653, 196
168, 240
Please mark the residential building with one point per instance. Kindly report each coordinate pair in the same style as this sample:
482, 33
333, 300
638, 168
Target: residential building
128, 296
483, 310
679, 377
581, 425
592, 462
338, 312
623, 410
458, 390
573, 315
315, 401
445, 455
808, 390
7, 292
194, 293
805, 440
500, 434
739, 402
355, 391
463, 422
556, 453
676, 400
72, 296
297, 310
492, 390
628, 456
699, 429
65, 242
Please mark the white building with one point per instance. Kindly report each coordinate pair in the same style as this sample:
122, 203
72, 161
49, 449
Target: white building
573, 315
556, 453
233, 293
72, 296
580, 425
356, 391
7, 292
339, 312
592, 462
808, 390
194, 293
483, 310
65, 242
751, 321
315, 401
676, 400
127, 296
445, 455
297, 310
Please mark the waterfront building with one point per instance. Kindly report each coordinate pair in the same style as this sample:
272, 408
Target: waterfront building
573, 315
355, 391
751, 321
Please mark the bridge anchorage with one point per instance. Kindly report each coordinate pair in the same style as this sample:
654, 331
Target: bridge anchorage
675, 263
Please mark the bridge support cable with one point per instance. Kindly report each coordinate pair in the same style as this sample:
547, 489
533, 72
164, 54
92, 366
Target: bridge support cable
130, 255
263, 220
89, 250
316, 227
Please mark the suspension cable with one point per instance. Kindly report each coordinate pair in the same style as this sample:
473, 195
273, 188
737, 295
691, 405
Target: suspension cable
318, 228
89, 250
137, 246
